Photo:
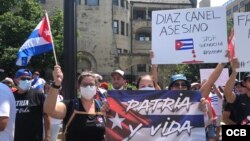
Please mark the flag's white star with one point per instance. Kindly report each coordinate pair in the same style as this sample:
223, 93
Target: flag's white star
116, 121
47, 32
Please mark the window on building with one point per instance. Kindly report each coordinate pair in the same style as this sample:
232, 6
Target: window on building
122, 28
127, 4
242, 3
141, 67
116, 26
149, 15
92, 2
235, 8
139, 14
247, 7
42, 1
229, 12
126, 29
115, 2
144, 36
125, 51
78, 2
122, 3
119, 51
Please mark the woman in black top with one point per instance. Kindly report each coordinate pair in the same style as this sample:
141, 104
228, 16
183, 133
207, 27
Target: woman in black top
81, 117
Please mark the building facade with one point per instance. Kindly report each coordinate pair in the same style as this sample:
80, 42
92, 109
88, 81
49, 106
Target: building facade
116, 33
205, 3
237, 6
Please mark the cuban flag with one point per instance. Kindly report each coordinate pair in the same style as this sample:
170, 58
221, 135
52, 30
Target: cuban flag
40, 41
184, 44
154, 116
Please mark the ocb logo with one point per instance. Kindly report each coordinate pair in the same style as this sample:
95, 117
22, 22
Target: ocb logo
236, 132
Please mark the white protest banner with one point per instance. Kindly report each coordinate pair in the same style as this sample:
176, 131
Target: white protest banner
221, 81
196, 35
242, 40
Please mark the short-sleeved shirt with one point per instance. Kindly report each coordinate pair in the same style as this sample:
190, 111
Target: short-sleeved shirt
29, 116
7, 109
83, 127
233, 112
241, 107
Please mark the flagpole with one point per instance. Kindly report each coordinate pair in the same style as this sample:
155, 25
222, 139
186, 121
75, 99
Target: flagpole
54, 52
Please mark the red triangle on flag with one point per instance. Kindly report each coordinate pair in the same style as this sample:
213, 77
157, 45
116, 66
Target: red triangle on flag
45, 31
178, 45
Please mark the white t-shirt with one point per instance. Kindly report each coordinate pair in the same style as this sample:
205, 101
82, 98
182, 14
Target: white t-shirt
7, 109
54, 120
216, 103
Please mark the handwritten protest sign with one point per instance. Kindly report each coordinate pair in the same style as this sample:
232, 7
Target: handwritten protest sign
221, 81
155, 116
196, 35
242, 39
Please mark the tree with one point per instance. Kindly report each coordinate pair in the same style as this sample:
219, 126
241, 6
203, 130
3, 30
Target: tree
17, 20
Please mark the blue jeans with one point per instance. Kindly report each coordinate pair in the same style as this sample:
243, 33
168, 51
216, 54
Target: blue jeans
210, 131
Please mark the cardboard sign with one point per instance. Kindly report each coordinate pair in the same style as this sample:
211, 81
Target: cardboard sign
221, 81
196, 35
242, 40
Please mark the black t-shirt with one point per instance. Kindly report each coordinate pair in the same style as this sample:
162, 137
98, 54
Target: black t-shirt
29, 116
83, 127
241, 107
234, 112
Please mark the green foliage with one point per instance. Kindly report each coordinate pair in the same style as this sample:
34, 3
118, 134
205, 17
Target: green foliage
230, 25
192, 71
17, 21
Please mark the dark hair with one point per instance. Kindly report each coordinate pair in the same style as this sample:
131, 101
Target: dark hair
140, 78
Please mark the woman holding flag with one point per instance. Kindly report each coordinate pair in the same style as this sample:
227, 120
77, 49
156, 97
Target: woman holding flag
82, 117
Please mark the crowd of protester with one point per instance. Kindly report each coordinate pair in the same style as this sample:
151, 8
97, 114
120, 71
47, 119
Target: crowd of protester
41, 111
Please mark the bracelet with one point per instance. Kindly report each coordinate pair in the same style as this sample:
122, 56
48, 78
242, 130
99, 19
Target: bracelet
53, 85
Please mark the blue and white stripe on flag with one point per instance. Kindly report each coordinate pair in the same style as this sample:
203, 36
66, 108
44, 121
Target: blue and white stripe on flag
40, 41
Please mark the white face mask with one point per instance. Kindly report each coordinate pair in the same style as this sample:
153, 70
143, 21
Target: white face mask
88, 92
24, 84
147, 88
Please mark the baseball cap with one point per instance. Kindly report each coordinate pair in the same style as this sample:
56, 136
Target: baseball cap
120, 72
22, 72
176, 77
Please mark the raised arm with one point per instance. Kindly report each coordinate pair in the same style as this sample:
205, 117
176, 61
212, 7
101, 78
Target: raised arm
217, 91
51, 106
228, 90
206, 87
154, 70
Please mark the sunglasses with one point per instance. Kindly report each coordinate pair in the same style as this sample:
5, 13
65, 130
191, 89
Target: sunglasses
180, 84
24, 78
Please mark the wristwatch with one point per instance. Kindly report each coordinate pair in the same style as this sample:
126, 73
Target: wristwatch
53, 85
